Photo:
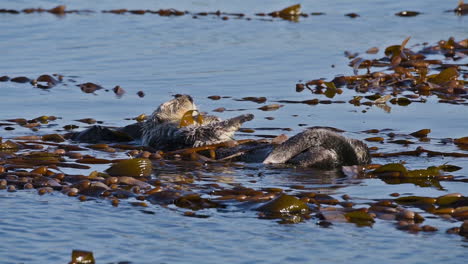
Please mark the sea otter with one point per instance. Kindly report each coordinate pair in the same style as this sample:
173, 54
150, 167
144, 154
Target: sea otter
315, 147
163, 129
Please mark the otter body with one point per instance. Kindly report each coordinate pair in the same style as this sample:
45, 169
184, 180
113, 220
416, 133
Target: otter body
163, 131
316, 147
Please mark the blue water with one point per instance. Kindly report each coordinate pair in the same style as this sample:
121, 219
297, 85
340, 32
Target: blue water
207, 56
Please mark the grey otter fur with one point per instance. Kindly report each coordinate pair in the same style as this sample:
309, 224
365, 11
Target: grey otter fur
320, 148
162, 131
316, 147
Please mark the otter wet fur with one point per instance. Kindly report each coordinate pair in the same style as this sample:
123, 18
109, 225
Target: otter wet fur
162, 130
322, 148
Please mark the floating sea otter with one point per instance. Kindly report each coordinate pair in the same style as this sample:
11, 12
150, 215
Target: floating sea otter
316, 147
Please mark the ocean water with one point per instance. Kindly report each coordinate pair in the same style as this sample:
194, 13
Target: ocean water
163, 56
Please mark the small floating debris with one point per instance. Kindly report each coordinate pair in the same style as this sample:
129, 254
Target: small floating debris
89, 87
407, 13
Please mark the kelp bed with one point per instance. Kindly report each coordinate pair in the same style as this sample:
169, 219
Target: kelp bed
291, 13
142, 177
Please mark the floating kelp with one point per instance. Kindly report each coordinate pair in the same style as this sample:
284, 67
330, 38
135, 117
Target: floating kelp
195, 202
461, 9
270, 107
138, 167
421, 133
8, 145
397, 170
82, 257
418, 151
118, 91
284, 204
258, 100
189, 188
407, 13
87, 120
45, 81
20, 79
361, 217
290, 13
408, 71
89, 87
352, 15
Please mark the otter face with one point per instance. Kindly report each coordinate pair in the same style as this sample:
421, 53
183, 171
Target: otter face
173, 110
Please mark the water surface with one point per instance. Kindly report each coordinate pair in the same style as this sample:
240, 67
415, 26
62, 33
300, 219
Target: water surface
207, 56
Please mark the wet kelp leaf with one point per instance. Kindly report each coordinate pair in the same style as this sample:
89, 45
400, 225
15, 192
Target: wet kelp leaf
300, 87
331, 90
290, 13
421, 133
461, 141
284, 204
383, 99
138, 167
214, 97
53, 138
191, 117
58, 10
374, 139
89, 87
258, 100
93, 161
415, 200
360, 217
396, 170
407, 13
141, 118
293, 10
352, 15
396, 52
421, 182
87, 120
449, 168
373, 50
402, 101
195, 202
448, 199
45, 81
8, 145
391, 167
118, 91
424, 173
444, 76
82, 257
270, 107
20, 79
401, 142
70, 127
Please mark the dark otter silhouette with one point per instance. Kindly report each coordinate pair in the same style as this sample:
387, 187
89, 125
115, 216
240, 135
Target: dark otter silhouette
315, 147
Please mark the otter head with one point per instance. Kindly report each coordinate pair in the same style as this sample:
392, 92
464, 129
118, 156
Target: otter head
362, 151
173, 110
